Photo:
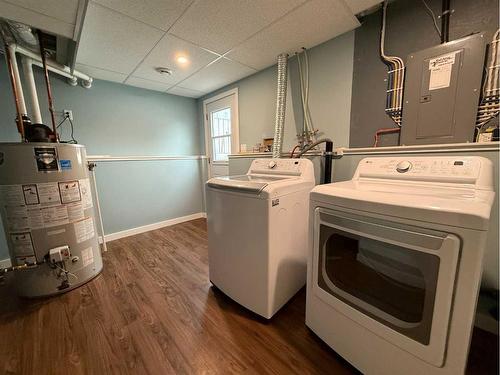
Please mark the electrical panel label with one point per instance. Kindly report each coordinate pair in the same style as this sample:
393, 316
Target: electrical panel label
86, 193
70, 191
87, 257
440, 71
46, 159
84, 230
22, 244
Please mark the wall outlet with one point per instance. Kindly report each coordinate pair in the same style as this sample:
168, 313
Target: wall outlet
68, 113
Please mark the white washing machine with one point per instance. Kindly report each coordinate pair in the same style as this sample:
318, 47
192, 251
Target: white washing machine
258, 232
395, 262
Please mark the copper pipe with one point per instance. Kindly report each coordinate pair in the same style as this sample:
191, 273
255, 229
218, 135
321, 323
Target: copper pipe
47, 83
19, 121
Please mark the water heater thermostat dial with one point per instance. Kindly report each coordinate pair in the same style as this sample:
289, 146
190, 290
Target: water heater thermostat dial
403, 166
271, 164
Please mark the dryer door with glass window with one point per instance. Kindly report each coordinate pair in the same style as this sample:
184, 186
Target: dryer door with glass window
395, 280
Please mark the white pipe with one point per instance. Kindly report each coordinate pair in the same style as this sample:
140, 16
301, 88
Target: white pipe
98, 208
11, 50
53, 66
31, 90
108, 158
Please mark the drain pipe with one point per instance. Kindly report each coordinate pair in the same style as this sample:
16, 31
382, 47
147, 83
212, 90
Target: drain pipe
280, 104
31, 90
11, 50
55, 67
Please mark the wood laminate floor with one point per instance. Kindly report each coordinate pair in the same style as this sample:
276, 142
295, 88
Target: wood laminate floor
153, 311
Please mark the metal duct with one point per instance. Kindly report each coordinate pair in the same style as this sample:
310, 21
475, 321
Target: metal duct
280, 104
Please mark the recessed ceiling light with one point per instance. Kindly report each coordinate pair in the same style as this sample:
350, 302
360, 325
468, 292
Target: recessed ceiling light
182, 60
165, 71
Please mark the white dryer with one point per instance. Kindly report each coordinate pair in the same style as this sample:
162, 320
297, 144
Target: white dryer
395, 262
258, 231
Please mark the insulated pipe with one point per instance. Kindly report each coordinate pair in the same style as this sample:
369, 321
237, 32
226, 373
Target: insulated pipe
280, 104
31, 89
445, 22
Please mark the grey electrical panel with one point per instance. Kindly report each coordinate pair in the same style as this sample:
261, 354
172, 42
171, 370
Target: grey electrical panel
441, 95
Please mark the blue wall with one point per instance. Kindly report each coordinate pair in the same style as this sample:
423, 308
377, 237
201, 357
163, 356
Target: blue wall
114, 119
330, 83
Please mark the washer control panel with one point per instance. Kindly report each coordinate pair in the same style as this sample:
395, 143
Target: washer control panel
438, 168
291, 167
403, 166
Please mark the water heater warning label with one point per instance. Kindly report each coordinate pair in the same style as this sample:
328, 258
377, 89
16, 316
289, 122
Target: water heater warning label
45, 205
84, 230
49, 194
70, 191
31, 194
46, 159
87, 257
22, 244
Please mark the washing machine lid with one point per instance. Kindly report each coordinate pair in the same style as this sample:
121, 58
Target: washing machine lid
461, 207
248, 183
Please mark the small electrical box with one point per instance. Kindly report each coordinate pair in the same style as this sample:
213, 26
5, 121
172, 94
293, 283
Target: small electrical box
59, 254
442, 89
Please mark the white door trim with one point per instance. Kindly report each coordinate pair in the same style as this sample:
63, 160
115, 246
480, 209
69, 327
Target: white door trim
236, 119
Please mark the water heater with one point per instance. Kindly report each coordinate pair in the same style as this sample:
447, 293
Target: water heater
48, 216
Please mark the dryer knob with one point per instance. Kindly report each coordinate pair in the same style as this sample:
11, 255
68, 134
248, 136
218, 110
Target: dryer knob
271, 164
403, 166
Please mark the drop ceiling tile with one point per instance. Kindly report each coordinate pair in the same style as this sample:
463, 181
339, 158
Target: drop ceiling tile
147, 84
219, 25
103, 74
37, 20
358, 6
158, 13
216, 75
311, 24
181, 91
63, 10
113, 41
165, 54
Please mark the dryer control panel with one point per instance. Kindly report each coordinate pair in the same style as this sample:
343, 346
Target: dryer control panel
446, 169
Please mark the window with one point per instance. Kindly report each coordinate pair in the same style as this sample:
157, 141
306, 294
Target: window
221, 134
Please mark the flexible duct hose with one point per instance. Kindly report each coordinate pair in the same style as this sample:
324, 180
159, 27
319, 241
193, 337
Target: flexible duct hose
280, 105
312, 145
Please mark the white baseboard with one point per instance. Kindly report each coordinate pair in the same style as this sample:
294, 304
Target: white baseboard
4, 263
149, 227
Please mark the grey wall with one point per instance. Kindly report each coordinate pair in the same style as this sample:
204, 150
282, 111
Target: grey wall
329, 96
409, 29
114, 119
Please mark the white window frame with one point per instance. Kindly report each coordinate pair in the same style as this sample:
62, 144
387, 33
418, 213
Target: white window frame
235, 135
